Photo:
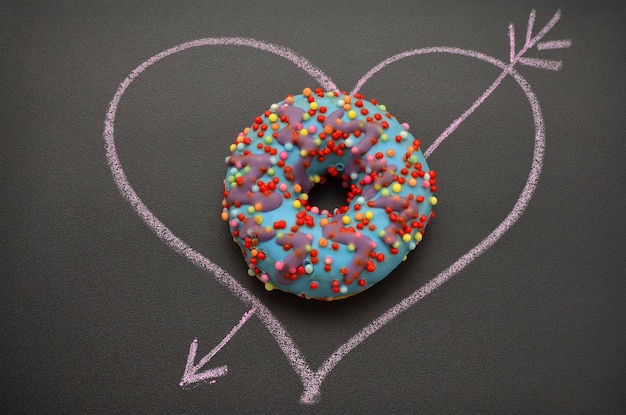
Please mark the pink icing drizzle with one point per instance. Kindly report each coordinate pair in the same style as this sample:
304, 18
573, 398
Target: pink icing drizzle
298, 242
406, 210
242, 193
363, 245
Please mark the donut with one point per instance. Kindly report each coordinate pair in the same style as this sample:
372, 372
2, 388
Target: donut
298, 143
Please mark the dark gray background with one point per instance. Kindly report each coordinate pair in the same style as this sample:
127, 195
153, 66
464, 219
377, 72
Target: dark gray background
97, 314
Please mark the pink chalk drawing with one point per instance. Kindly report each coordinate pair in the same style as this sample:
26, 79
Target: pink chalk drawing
312, 379
192, 376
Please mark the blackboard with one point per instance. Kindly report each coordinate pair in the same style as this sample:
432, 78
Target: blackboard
99, 313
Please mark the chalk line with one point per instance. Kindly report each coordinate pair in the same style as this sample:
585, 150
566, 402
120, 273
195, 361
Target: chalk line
529, 27
554, 44
542, 63
511, 42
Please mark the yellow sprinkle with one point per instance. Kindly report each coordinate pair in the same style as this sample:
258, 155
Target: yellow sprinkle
351, 247
258, 219
304, 131
273, 117
296, 204
269, 286
406, 237
314, 105
345, 219
418, 236
369, 215
352, 114
304, 196
396, 187
433, 200
303, 153
233, 147
317, 178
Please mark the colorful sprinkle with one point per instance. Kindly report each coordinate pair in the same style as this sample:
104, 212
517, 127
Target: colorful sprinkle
296, 145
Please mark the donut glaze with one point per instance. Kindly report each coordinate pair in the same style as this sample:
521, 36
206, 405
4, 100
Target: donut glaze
313, 253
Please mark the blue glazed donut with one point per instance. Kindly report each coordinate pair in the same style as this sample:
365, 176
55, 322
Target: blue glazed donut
296, 144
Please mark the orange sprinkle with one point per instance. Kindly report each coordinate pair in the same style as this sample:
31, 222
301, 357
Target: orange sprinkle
391, 153
323, 242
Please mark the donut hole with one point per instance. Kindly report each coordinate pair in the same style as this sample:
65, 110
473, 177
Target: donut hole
329, 193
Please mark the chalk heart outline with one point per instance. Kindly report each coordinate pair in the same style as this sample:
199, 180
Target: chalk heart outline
312, 379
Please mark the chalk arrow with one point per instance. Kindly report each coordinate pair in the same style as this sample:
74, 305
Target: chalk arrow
193, 375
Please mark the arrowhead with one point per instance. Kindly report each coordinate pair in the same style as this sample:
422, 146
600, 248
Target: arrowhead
193, 375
